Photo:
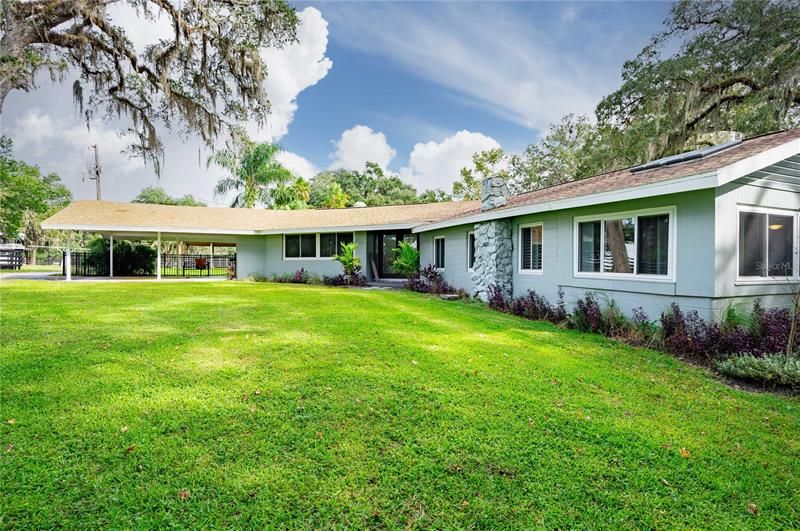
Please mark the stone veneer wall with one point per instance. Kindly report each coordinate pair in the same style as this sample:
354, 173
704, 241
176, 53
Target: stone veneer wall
494, 263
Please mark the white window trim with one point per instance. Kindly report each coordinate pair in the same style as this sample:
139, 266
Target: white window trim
470, 233
316, 251
743, 280
633, 277
443, 255
519, 246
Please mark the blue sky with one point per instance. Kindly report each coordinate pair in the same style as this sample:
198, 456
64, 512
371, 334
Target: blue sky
415, 86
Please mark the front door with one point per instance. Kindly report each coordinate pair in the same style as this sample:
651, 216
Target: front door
387, 242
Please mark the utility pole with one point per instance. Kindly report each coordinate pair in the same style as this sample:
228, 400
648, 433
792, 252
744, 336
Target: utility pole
96, 177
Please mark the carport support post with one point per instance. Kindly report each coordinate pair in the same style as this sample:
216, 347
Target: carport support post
158, 257
111, 256
68, 258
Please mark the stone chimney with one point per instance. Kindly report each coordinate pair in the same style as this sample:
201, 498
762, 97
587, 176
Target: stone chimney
493, 244
494, 193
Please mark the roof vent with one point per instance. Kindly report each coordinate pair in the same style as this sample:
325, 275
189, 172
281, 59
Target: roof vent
685, 157
359, 204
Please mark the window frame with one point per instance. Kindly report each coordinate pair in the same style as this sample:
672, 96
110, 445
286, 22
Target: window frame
521, 271
470, 250
444, 252
316, 243
795, 215
671, 275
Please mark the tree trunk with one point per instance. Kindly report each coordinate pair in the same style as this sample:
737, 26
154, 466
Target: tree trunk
615, 240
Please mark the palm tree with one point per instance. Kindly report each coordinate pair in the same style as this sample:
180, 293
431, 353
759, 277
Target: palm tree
254, 172
336, 197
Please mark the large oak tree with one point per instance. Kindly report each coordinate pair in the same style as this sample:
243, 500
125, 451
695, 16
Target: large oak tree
205, 78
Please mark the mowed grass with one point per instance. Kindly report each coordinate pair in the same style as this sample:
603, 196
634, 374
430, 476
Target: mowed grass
232, 404
27, 268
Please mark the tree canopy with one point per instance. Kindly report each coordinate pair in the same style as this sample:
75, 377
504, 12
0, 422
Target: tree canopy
485, 164
26, 196
158, 196
370, 186
204, 78
717, 70
736, 68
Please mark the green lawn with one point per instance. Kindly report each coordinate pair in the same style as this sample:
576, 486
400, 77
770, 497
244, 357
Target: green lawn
252, 405
33, 269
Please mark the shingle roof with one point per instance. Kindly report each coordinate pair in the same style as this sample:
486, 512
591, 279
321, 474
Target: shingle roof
148, 217
623, 179
160, 217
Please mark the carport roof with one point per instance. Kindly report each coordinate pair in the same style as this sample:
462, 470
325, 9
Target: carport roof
111, 216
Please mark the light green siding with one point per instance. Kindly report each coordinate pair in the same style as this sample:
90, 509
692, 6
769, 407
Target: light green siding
263, 255
455, 244
774, 187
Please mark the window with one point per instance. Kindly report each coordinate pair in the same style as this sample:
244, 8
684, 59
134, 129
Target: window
619, 235
635, 244
530, 246
652, 249
767, 244
589, 238
300, 246
314, 246
438, 252
331, 243
470, 251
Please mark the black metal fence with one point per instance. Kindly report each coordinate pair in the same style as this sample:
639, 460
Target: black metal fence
83, 267
197, 265
12, 258
172, 265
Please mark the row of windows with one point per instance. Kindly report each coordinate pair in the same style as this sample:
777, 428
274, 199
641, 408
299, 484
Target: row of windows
319, 245
636, 244
626, 245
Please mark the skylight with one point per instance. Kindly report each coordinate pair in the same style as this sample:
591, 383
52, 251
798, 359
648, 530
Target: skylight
684, 157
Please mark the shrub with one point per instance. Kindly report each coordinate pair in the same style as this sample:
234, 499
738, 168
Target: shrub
130, 258
429, 280
770, 369
406, 259
351, 263
301, 276
345, 280
643, 331
688, 333
560, 310
587, 315
530, 306
764, 331
496, 299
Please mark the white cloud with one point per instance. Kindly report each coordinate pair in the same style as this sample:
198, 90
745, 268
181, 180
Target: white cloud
438, 164
293, 69
298, 165
360, 144
38, 132
506, 66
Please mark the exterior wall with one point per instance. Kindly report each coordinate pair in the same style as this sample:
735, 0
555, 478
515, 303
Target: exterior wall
251, 256
263, 255
776, 187
692, 285
455, 254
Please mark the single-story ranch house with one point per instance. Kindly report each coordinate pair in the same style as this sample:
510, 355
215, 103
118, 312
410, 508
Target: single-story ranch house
704, 229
